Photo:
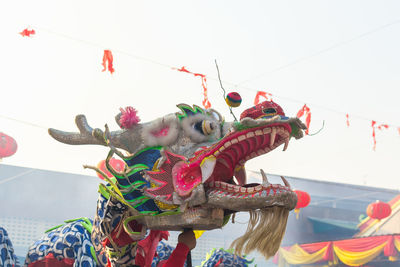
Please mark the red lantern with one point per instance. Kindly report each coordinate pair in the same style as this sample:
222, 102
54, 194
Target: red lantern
379, 210
8, 146
117, 165
303, 199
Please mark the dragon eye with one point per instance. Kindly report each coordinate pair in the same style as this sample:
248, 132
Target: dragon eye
269, 111
205, 127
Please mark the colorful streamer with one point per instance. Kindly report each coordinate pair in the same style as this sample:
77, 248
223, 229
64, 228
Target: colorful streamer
305, 111
259, 94
379, 127
108, 61
352, 252
206, 103
27, 33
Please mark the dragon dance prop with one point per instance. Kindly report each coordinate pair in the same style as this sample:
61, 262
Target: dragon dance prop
7, 256
183, 171
221, 257
215, 258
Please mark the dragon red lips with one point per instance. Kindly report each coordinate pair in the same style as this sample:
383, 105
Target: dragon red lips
227, 158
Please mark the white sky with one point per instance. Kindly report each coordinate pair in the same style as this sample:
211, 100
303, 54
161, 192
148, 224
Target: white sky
51, 77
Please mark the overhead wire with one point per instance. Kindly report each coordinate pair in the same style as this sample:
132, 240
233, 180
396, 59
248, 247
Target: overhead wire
237, 85
321, 51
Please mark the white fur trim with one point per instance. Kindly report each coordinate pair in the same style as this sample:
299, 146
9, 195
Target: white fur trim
156, 126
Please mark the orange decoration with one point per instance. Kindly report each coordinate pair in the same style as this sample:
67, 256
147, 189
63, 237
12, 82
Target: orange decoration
27, 33
108, 58
266, 95
305, 111
379, 210
303, 199
380, 127
117, 165
206, 103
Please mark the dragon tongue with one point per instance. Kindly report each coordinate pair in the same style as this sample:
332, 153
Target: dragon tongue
207, 167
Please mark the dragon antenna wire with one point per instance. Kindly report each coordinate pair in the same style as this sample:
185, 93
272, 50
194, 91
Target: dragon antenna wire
224, 95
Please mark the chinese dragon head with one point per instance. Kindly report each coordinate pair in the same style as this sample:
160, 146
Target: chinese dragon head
187, 171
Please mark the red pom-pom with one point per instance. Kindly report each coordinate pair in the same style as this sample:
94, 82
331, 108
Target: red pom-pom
128, 117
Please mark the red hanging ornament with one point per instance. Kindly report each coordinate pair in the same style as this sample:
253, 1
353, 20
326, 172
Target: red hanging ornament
259, 94
303, 199
8, 146
307, 112
380, 127
206, 103
108, 61
27, 33
379, 210
347, 120
117, 165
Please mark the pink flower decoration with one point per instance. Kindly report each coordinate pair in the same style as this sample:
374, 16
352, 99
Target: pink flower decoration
128, 117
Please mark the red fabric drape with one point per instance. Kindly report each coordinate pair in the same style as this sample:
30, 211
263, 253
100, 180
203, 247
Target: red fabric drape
259, 94
51, 261
108, 61
361, 244
314, 247
27, 33
380, 127
307, 112
352, 245
206, 103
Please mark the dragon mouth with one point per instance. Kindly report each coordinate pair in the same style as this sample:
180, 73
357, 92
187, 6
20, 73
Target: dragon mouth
226, 159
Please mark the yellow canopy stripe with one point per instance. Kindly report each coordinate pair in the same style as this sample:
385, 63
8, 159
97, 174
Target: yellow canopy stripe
397, 243
358, 258
297, 255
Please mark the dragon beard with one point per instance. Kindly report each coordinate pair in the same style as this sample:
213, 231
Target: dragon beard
264, 232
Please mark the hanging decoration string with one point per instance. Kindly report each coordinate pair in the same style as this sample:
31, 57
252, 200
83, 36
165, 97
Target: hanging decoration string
206, 103
220, 83
108, 61
259, 94
108, 58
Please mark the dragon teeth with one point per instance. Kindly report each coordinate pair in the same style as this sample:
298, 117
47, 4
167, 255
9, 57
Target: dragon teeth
267, 130
286, 144
250, 134
258, 132
241, 138
272, 137
207, 167
260, 152
227, 144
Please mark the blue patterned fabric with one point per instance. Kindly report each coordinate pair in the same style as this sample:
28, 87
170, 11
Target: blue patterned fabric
70, 241
164, 251
228, 259
7, 256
